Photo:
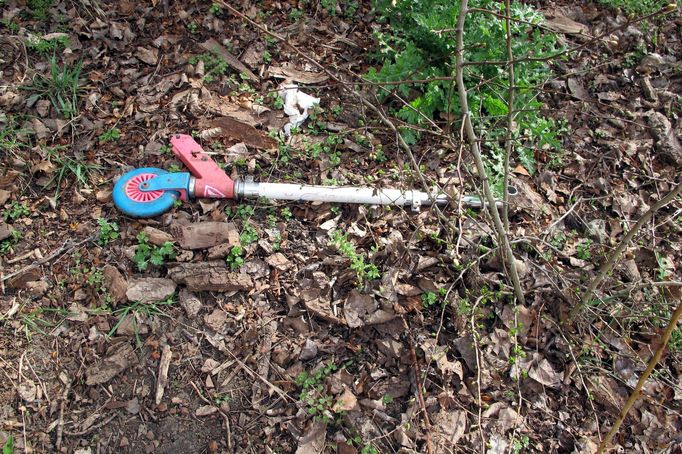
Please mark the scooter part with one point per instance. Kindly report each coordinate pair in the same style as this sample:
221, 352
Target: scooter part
147, 196
132, 199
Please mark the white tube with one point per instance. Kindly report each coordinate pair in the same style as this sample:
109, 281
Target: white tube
334, 194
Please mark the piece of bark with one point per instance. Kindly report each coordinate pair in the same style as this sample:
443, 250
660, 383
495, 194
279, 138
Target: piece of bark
208, 234
190, 303
150, 289
664, 136
5, 231
162, 381
209, 277
215, 47
156, 236
109, 367
115, 283
303, 77
241, 132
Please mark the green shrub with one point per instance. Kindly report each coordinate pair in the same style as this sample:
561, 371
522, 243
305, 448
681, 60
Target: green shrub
421, 45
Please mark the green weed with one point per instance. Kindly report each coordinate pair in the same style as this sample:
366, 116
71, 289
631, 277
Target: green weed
66, 166
111, 135
235, 259
240, 212
313, 394
47, 46
147, 253
62, 87
215, 9
12, 26
16, 211
583, 249
8, 447
144, 309
6, 244
249, 235
363, 271
420, 46
430, 299
37, 9
214, 65
295, 15
108, 231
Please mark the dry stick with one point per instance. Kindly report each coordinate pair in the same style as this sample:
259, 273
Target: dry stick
615, 255
476, 151
642, 379
508, 146
66, 247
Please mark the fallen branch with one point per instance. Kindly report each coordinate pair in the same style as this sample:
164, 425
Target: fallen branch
476, 152
643, 378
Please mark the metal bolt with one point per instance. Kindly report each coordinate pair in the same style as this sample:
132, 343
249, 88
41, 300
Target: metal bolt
204, 158
177, 136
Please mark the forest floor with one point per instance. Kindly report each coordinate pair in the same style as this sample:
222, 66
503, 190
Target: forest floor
257, 327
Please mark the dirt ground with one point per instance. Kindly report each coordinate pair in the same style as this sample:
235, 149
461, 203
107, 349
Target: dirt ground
192, 347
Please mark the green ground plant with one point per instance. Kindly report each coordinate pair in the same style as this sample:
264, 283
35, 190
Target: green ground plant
313, 392
420, 46
235, 259
15, 211
144, 309
8, 447
364, 271
7, 244
47, 46
147, 253
108, 231
62, 87
110, 135
38, 9
214, 65
67, 166
430, 299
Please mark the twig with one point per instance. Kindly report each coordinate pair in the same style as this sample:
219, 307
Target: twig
62, 409
476, 151
91, 428
253, 374
615, 255
66, 247
643, 378
418, 385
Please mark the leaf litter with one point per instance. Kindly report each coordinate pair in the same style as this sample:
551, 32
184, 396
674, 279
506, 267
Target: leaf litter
291, 350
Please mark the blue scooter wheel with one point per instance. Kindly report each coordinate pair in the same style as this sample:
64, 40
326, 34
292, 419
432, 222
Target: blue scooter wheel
131, 200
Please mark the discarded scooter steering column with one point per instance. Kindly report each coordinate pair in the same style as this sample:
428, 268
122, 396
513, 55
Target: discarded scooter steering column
149, 192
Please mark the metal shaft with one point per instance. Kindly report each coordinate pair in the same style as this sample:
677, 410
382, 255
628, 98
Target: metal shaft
336, 194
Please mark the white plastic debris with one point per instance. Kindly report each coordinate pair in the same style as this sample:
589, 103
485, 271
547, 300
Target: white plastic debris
294, 101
